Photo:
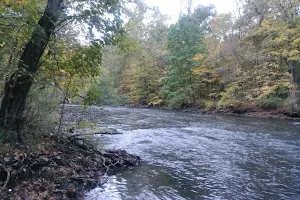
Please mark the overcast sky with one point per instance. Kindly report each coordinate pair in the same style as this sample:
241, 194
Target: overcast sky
172, 7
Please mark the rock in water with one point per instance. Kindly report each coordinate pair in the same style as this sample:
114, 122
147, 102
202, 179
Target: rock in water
109, 132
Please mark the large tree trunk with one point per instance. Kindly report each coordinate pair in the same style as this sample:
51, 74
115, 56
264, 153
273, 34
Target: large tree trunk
18, 86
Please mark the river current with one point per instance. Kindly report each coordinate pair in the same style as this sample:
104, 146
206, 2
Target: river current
194, 156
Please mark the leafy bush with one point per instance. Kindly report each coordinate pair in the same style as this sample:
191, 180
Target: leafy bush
104, 93
155, 99
177, 101
209, 105
231, 98
228, 99
281, 91
229, 104
270, 102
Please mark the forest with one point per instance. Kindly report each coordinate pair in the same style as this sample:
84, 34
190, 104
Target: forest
126, 53
236, 61
247, 60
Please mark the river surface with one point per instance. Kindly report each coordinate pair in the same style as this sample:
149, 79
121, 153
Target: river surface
194, 156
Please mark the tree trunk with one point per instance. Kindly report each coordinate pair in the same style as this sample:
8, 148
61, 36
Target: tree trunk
293, 72
293, 87
19, 84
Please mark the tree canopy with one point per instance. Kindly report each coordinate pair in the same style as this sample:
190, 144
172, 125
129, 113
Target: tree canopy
217, 61
117, 52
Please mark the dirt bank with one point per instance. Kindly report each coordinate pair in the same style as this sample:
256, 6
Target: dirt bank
65, 166
280, 113
57, 168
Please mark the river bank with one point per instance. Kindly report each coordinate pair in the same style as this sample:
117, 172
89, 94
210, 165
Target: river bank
281, 113
51, 166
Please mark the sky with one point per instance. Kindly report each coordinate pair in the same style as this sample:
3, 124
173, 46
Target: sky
172, 7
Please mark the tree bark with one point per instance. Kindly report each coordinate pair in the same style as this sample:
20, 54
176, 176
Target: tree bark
292, 69
293, 87
19, 84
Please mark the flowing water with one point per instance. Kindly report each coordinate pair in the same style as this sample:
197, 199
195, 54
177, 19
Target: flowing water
194, 156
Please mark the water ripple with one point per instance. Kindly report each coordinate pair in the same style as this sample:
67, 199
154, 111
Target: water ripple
189, 156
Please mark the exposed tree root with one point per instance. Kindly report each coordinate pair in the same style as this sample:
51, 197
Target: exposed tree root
59, 168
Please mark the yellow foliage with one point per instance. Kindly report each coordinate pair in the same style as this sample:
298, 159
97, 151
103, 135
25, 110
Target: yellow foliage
266, 90
294, 52
200, 70
15, 3
209, 105
198, 57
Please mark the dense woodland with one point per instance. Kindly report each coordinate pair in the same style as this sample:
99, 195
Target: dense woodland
241, 60
133, 55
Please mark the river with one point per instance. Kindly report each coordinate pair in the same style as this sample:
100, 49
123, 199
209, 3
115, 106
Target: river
194, 156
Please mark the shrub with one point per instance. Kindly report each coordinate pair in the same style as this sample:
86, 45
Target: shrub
103, 93
228, 101
177, 102
281, 91
270, 102
209, 105
229, 104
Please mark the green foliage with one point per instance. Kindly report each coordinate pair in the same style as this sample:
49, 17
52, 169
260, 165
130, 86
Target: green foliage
230, 98
134, 69
71, 70
15, 31
85, 61
202, 59
281, 91
92, 96
229, 104
185, 41
205, 60
61, 61
270, 103
209, 105
178, 99
103, 17
210, 61
103, 93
